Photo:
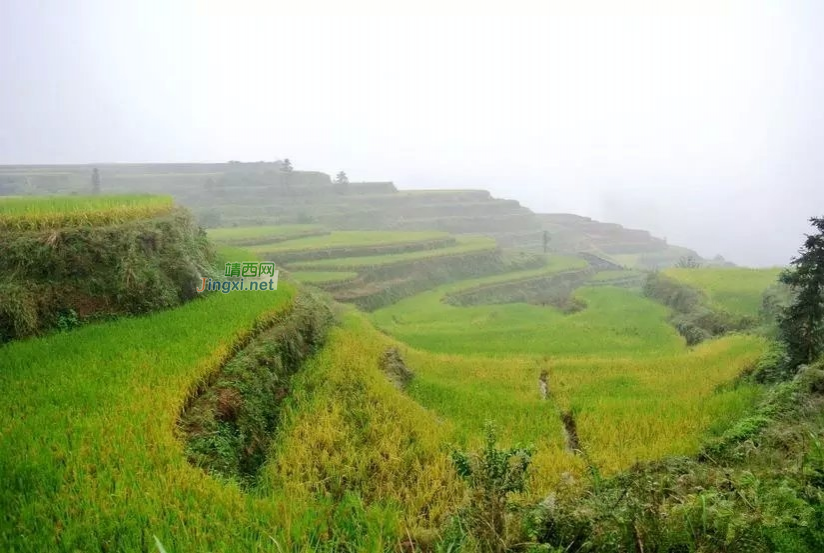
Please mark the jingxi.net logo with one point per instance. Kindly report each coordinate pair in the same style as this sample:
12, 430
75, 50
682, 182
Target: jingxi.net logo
243, 276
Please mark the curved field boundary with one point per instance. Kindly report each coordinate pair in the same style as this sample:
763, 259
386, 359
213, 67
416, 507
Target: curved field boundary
622, 279
520, 290
357, 251
465, 245
599, 263
384, 285
250, 236
230, 423
350, 238
553, 266
91, 460
323, 278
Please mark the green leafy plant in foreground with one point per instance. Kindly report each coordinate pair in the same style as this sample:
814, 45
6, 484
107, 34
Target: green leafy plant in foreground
492, 474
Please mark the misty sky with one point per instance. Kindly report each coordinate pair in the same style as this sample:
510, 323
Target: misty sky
701, 121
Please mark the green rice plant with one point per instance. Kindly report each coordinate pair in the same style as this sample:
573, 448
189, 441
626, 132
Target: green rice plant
348, 238
464, 245
241, 236
737, 290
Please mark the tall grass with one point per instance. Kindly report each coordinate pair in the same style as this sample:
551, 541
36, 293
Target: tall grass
45, 212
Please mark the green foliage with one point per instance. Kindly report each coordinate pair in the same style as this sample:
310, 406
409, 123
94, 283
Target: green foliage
759, 488
802, 323
774, 366
67, 320
492, 475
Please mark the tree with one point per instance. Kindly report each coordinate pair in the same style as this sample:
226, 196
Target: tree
341, 182
95, 181
546, 241
287, 168
801, 325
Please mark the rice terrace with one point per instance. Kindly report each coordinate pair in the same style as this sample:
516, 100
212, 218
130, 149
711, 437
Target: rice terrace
435, 371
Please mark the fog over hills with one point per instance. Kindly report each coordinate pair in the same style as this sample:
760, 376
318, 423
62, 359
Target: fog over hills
699, 121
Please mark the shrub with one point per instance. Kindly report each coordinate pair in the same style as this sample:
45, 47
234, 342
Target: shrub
492, 474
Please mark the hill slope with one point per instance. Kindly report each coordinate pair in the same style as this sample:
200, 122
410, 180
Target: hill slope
238, 194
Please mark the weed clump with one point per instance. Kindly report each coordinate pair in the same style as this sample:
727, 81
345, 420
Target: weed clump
488, 521
393, 365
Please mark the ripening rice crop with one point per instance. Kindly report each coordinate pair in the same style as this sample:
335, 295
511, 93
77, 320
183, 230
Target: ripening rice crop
92, 460
638, 393
21, 213
736, 289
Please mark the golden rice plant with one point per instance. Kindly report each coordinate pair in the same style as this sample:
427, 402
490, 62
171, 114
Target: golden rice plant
18, 213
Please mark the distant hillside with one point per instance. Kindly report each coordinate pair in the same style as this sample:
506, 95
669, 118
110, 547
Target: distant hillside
242, 194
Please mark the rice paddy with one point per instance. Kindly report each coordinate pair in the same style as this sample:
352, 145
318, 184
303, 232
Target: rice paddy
737, 290
347, 238
46, 212
467, 244
93, 460
238, 235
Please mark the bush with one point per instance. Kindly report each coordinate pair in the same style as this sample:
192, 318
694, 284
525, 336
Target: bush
492, 474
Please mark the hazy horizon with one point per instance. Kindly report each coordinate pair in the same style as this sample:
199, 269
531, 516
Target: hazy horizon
699, 121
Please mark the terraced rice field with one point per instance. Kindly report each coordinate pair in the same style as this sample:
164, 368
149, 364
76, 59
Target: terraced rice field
93, 459
45, 212
263, 234
737, 290
347, 238
464, 245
